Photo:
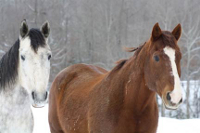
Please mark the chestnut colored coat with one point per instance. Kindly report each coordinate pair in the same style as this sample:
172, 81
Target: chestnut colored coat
88, 99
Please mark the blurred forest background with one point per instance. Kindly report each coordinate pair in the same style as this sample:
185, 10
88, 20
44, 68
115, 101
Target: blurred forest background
95, 31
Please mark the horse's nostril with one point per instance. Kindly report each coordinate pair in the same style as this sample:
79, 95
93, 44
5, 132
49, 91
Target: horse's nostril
180, 101
33, 95
168, 97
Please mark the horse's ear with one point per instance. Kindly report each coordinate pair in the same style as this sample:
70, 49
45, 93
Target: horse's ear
156, 32
177, 32
23, 29
45, 29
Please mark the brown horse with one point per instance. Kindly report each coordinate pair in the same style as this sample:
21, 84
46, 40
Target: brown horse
89, 99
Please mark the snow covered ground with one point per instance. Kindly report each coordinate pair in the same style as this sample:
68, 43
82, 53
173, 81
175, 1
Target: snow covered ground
166, 125
41, 124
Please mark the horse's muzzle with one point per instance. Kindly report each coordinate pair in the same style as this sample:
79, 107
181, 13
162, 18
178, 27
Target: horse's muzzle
169, 104
39, 99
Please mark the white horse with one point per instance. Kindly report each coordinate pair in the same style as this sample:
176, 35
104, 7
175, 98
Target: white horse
24, 76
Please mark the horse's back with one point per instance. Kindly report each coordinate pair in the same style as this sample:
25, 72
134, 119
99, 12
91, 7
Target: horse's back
69, 94
77, 74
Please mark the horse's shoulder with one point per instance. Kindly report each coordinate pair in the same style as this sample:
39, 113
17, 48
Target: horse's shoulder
63, 77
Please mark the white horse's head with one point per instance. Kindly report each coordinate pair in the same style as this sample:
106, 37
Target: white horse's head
34, 62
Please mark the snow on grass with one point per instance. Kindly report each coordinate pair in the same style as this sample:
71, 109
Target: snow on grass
166, 125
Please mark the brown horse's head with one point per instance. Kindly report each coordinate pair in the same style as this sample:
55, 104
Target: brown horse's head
162, 65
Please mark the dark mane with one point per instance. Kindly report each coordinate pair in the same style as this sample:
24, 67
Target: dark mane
37, 39
138, 50
9, 66
120, 64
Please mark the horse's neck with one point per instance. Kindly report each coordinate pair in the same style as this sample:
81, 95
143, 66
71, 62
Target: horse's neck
14, 95
138, 97
131, 90
15, 111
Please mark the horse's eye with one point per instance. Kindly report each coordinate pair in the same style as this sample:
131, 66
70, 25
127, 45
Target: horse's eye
156, 58
49, 57
23, 57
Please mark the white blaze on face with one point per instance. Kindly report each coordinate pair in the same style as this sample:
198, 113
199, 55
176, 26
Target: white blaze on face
176, 94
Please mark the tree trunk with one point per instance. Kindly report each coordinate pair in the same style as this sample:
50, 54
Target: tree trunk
163, 110
187, 98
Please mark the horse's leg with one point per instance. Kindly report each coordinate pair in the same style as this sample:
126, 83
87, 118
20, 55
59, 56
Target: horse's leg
53, 115
54, 128
55, 131
54, 122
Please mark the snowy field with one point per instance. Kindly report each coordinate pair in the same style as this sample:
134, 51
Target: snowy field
166, 125
41, 124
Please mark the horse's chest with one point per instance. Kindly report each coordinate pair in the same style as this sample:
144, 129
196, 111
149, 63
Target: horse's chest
15, 114
147, 124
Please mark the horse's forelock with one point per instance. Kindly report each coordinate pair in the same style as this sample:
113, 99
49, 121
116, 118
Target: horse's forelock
168, 39
37, 39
